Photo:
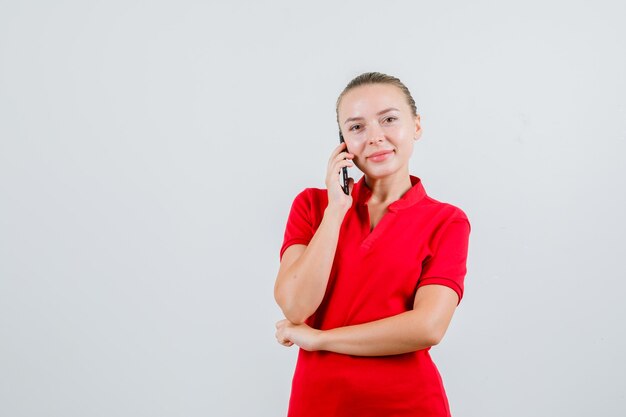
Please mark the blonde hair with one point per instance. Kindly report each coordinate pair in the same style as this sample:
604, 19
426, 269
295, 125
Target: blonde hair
377, 78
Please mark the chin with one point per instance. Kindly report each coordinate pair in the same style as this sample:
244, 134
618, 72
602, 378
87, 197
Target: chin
380, 173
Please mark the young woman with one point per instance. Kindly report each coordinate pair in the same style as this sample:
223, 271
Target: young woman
369, 281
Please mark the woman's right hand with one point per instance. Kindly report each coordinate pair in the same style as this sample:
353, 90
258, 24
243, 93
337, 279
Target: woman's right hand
337, 199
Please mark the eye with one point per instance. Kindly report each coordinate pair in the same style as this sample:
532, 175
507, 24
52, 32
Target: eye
352, 127
391, 118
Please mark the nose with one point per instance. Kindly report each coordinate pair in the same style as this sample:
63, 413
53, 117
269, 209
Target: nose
376, 134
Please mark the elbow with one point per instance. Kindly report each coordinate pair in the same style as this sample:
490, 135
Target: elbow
430, 328
434, 340
294, 315
292, 312
435, 336
427, 333
295, 319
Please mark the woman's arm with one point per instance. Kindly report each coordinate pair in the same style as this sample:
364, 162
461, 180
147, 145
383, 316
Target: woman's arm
413, 330
305, 270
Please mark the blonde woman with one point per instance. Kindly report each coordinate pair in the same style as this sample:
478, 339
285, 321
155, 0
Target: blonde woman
369, 280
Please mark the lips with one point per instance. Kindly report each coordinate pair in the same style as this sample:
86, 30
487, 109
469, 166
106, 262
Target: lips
379, 153
379, 156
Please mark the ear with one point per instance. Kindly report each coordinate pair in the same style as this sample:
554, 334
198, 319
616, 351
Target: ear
418, 127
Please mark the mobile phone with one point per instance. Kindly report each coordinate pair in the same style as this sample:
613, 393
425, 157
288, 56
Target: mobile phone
344, 170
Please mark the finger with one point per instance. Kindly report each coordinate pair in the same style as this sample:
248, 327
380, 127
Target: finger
338, 150
336, 168
343, 162
283, 340
343, 155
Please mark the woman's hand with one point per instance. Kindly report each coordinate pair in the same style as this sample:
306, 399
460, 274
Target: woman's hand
301, 335
336, 197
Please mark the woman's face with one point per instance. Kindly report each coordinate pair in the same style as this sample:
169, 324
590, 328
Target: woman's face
375, 118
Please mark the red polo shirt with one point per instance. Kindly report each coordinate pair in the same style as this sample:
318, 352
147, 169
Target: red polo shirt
419, 241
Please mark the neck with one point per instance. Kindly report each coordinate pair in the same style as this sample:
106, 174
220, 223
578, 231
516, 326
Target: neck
388, 189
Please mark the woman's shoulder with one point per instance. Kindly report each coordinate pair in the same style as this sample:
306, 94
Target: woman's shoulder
312, 196
310, 203
444, 209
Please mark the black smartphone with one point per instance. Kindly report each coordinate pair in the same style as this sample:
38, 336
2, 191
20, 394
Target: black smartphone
344, 170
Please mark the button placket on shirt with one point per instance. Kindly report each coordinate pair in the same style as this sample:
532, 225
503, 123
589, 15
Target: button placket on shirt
372, 236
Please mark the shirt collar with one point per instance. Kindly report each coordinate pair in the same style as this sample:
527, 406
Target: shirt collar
410, 198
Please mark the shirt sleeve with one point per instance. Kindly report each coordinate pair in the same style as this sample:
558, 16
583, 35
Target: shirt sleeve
447, 265
299, 227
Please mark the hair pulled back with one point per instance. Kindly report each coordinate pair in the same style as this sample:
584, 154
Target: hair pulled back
368, 78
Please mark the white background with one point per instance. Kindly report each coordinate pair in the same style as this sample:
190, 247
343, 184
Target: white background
150, 152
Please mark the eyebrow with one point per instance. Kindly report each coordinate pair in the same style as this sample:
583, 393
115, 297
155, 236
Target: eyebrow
378, 114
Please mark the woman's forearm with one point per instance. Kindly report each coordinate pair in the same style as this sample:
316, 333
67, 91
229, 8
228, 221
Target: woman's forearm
406, 332
300, 290
410, 331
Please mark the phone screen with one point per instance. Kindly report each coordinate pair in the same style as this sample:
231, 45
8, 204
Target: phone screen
344, 170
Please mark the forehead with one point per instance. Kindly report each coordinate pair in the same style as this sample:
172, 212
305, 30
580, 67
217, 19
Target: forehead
371, 98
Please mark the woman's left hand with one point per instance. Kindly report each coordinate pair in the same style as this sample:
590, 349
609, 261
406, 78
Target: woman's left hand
302, 335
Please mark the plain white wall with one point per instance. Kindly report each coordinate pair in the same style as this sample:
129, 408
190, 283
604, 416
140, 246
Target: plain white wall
150, 152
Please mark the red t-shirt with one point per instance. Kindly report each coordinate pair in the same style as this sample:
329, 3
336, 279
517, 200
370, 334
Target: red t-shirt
419, 241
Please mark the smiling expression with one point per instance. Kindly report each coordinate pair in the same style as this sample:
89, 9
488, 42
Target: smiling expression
376, 118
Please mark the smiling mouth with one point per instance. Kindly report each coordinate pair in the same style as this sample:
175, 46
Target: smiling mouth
380, 157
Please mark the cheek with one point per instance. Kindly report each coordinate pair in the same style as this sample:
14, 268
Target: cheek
408, 150
356, 148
